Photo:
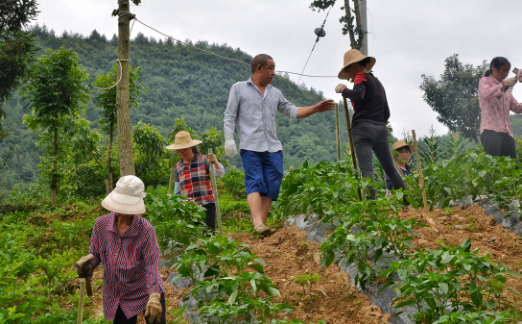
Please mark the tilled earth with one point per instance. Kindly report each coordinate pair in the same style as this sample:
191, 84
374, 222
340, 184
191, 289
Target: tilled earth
453, 226
288, 254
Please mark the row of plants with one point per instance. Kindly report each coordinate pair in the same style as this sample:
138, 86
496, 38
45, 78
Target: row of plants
448, 285
230, 285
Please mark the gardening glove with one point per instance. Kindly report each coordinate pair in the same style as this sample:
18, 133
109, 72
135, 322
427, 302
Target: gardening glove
153, 310
230, 147
340, 88
211, 158
510, 82
83, 266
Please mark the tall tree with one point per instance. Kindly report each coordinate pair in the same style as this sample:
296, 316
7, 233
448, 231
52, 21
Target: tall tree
356, 32
455, 96
55, 92
106, 100
17, 47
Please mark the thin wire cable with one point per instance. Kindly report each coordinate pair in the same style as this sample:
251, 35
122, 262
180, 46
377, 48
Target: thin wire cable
227, 58
316, 41
118, 60
112, 86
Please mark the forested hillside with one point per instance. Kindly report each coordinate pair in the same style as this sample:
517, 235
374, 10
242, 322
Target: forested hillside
181, 82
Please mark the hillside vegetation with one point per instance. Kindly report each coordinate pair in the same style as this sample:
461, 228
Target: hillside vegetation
181, 82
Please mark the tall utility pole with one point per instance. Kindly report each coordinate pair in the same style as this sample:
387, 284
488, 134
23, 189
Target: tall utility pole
126, 155
364, 23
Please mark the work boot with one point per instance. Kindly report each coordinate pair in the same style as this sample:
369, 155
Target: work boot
263, 229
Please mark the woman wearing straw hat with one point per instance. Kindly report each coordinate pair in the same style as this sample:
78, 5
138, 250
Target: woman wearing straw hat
192, 175
127, 246
403, 151
371, 113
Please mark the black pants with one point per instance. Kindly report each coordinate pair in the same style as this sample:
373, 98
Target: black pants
368, 137
498, 144
210, 220
121, 319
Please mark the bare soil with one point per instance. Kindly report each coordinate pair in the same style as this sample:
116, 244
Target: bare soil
453, 226
288, 254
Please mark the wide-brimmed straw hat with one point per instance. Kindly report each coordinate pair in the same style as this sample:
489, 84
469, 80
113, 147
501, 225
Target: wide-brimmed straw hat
354, 56
127, 197
183, 140
400, 144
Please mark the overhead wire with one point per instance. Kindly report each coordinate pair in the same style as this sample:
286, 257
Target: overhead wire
224, 57
315, 43
119, 60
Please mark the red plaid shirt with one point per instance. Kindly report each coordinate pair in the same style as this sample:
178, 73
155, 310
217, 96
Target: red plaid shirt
130, 264
194, 179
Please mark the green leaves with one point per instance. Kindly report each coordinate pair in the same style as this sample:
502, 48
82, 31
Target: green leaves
455, 278
229, 290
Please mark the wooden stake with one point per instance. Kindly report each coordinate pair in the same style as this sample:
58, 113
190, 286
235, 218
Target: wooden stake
170, 182
352, 150
337, 133
419, 169
79, 319
216, 198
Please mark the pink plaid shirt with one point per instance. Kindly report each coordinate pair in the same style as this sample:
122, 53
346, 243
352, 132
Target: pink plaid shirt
130, 264
495, 104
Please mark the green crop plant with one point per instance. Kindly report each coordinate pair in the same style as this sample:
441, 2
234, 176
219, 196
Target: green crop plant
228, 279
178, 221
449, 278
314, 278
378, 229
482, 317
303, 280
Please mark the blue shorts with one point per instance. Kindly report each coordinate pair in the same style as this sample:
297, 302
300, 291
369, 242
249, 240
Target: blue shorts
263, 172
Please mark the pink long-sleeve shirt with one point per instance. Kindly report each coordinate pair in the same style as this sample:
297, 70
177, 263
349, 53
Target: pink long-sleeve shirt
495, 104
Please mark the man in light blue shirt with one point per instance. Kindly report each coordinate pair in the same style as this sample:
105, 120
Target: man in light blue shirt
252, 108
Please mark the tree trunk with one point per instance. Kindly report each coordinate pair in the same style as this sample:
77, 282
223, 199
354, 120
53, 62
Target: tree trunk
109, 165
54, 177
364, 26
126, 155
348, 11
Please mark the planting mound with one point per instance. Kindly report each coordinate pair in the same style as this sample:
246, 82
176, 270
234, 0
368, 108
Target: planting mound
288, 255
452, 226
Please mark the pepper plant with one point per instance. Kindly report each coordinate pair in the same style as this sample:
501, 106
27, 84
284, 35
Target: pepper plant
450, 278
230, 283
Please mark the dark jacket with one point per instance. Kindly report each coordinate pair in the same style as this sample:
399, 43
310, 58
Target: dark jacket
368, 100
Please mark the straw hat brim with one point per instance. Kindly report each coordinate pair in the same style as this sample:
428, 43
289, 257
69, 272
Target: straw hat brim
123, 204
412, 148
183, 146
343, 75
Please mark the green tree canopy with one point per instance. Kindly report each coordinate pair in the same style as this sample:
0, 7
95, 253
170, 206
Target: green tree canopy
17, 47
455, 96
55, 92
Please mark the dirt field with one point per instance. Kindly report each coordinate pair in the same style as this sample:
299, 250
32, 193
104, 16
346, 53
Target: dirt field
288, 254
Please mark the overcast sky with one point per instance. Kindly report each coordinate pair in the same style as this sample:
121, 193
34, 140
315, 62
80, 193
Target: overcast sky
407, 37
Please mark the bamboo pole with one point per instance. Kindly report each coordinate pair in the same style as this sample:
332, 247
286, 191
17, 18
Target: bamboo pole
419, 169
170, 182
79, 319
216, 198
337, 133
352, 150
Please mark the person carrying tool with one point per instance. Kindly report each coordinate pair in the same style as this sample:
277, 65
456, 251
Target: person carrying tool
496, 101
192, 175
252, 108
403, 151
127, 246
371, 113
